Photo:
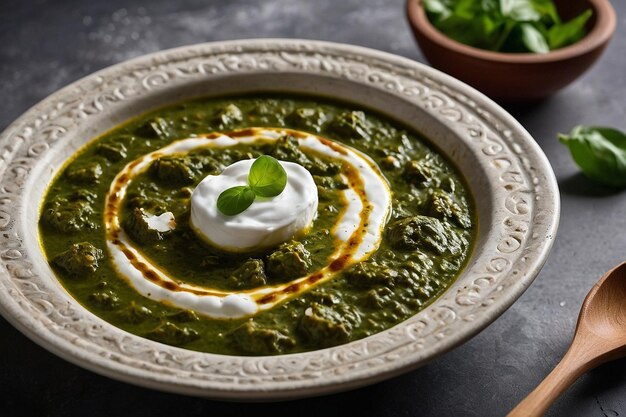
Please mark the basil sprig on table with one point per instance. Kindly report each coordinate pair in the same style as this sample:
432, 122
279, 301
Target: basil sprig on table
600, 152
267, 178
506, 25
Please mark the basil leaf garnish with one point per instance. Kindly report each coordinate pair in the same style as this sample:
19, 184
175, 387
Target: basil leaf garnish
235, 200
267, 178
600, 152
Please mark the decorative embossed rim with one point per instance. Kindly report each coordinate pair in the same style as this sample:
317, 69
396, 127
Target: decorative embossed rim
517, 201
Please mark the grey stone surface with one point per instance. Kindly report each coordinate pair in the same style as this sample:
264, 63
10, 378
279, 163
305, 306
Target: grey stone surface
45, 45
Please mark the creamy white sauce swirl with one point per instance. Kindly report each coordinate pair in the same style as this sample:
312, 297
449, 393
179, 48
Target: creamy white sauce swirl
358, 230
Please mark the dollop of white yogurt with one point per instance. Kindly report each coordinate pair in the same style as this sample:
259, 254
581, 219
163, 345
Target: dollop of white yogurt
267, 222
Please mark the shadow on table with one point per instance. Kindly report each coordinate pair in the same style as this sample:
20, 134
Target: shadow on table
526, 110
579, 185
599, 384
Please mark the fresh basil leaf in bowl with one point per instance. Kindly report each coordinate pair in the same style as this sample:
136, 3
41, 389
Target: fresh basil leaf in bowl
563, 34
547, 10
506, 25
519, 10
600, 152
533, 39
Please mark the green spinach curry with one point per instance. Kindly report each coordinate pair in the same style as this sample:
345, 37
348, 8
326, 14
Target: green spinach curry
424, 246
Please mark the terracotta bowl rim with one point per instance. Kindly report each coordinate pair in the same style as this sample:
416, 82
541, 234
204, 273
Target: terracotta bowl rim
602, 31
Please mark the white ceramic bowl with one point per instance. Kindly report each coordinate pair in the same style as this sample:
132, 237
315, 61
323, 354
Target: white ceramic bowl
509, 176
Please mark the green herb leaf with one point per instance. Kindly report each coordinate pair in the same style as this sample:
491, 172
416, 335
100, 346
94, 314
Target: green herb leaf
437, 7
489, 6
267, 177
600, 152
547, 10
505, 25
519, 10
564, 34
235, 200
533, 39
466, 9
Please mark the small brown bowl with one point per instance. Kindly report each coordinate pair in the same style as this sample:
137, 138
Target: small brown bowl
517, 77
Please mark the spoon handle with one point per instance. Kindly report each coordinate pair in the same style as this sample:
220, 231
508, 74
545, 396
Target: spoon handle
562, 376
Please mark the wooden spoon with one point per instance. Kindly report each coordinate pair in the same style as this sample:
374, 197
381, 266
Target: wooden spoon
600, 337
